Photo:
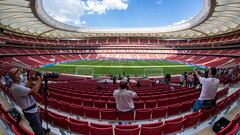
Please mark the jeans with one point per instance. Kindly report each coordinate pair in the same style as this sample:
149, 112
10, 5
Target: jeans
35, 122
203, 104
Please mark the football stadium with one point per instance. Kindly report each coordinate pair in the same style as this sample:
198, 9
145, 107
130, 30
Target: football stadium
119, 67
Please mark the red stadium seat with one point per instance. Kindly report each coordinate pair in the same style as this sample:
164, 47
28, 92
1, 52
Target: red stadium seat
139, 104
233, 130
126, 115
66, 98
77, 109
153, 124
99, 103
59, 121
77, 121
143, 114
186, 106
111, 104
152, 129
191, 119
53, 103
6, 119
230, 129
87, 102
91, 112
173, 109
145, 98
64, 106
100, 131
76, 100
151, 104
16, 130
108, 114
78, 128
183, 98
172, 100
205, 114
126, 131
100, 125
162, 102
12, 120
127, 126
171, 126
25, 130
159, 112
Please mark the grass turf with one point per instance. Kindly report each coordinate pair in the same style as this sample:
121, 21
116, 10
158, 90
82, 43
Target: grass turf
130, 67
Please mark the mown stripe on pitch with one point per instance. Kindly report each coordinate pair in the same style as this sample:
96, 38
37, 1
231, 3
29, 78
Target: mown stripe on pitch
105, 66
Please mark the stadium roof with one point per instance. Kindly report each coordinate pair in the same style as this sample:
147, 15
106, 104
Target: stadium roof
29, 17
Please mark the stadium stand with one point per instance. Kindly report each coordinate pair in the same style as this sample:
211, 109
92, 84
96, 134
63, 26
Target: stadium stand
79, 105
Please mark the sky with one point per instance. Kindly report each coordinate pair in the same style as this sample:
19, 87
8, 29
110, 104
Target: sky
122, 13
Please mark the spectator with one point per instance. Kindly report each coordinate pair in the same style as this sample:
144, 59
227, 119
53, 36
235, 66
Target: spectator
190, 80
124, 97
167, 78
209, 89
23, 97
114, 79
181, 79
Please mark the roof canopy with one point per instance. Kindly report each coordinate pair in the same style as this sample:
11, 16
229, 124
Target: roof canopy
28, 17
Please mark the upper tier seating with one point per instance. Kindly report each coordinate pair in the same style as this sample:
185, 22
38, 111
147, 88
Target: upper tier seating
8, 37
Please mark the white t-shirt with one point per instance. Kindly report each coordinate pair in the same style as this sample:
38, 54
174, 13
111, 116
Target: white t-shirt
209, 88
181, 78
22, 98
124, 99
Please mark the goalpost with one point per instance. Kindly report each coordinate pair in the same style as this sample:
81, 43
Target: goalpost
153, 72
84, 71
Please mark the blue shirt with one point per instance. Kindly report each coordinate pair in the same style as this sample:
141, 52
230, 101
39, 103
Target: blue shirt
22, 97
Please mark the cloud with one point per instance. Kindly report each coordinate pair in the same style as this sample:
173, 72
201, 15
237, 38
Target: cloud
100, 7
71, 11
159, 2
182, 21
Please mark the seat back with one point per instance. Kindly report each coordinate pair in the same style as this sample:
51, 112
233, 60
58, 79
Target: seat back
126, 131
100, 131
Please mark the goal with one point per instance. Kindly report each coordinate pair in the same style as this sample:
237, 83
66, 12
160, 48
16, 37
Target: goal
84, 71
153, 72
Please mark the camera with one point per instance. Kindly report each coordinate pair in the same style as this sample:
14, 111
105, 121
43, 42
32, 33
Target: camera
46, 76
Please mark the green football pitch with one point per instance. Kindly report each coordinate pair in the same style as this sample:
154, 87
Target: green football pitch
115, 67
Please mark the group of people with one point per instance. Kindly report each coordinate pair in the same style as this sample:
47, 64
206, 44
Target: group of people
23, 90
207, 98
188, 79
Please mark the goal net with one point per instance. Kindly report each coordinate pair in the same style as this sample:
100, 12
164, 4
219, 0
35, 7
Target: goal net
84, 71
153, 72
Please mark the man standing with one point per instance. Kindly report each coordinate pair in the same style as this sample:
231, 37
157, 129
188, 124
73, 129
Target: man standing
210, 85
23, 98
124, 97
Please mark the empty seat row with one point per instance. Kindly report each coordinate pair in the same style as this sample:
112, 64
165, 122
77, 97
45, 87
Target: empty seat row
112, 114
117, 41
112, 104
169, 126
